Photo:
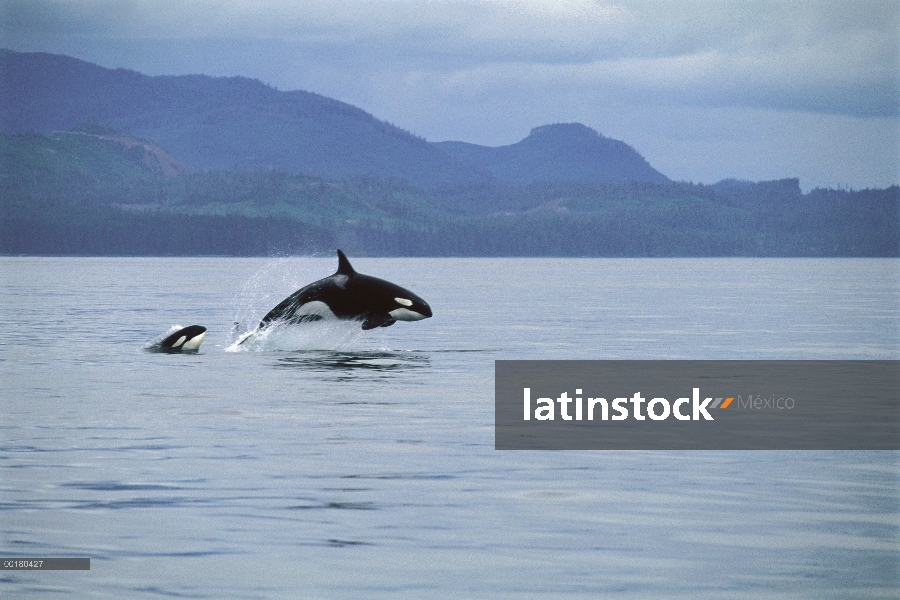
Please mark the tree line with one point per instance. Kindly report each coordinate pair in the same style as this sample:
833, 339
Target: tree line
58, 197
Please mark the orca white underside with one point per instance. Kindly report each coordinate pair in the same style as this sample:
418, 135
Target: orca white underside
316, 308
404, 314
193, 344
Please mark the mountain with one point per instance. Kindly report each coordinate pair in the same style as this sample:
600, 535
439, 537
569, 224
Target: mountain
112, 162
217, 123
228, 123
561, 152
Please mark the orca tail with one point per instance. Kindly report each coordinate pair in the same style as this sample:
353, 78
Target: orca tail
344, 267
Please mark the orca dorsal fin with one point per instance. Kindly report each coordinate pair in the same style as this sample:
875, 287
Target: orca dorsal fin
344, 267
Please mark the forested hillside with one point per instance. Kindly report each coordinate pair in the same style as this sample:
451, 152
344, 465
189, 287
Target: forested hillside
100, 192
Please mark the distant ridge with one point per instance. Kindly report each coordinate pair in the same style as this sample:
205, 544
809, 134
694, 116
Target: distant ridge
227, 123
560, 152
219, 123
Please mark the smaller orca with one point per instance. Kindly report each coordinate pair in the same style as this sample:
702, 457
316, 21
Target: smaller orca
348, 295
187, 339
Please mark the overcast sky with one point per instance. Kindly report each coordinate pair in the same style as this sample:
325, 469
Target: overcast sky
704, 90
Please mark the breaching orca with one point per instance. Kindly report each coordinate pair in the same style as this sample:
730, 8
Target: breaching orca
348, 295
187, 339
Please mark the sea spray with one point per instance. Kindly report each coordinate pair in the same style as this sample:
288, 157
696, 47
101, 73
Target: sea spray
316, 335
274, 280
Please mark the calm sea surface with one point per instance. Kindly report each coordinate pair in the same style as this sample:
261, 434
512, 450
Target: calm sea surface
333, 463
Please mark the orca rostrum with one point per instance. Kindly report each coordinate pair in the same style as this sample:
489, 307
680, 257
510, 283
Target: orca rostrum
186, 339
348, 295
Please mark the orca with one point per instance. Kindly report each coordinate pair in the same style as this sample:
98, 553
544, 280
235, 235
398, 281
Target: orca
186, 339
349, 296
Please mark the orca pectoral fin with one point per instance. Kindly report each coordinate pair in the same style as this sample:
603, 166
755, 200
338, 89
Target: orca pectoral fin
373, 321
247, 336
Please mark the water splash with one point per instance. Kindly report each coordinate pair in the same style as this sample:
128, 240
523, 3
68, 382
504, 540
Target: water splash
158, 339
317, 335
264, 289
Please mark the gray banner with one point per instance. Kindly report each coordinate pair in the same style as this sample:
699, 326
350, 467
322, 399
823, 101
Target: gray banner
697, 405
46, 564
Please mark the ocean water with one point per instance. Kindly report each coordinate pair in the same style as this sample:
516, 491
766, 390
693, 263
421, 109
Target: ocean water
327, 462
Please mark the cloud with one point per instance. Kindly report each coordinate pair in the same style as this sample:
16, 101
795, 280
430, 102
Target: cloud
832, 57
